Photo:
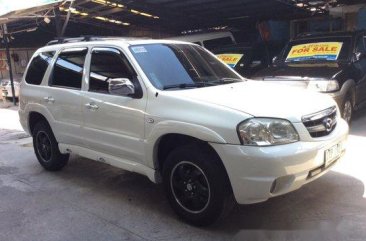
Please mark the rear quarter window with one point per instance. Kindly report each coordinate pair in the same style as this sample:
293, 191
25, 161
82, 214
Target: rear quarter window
38, 67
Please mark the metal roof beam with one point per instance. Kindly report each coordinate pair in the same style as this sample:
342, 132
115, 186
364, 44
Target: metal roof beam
105, 12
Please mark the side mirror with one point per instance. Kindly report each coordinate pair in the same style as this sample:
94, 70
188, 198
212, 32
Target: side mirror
358, 56
121, 86
275, 60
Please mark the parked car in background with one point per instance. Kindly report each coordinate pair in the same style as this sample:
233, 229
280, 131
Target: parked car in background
5, 84
331, 63
192, 123
246, 59
208, 40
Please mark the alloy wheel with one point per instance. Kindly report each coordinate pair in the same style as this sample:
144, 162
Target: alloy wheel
190, 187
44, 147
347, 111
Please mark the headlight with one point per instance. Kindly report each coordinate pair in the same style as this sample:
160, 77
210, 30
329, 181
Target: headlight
323, 85
267, 132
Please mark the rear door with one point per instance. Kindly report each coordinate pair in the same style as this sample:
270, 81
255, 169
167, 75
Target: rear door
113, 124
63, 96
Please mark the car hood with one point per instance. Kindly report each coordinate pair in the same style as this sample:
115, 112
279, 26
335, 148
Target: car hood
297, 71
261, 99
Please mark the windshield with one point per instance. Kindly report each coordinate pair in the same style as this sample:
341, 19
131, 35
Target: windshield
170, 66
320, 49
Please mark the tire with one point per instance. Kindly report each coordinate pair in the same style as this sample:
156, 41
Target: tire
347, 109
46, 148
197, 185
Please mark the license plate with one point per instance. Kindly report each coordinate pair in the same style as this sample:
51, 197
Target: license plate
333, 154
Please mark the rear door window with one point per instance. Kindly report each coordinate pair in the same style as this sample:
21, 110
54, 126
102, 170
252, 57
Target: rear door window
38, 67
68, 69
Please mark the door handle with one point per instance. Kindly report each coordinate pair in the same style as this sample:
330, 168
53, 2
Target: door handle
91, 106
49, 99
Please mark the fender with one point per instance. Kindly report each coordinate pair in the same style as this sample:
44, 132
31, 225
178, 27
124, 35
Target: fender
175, 127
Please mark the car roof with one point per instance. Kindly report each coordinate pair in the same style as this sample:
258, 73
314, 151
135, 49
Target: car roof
328, 34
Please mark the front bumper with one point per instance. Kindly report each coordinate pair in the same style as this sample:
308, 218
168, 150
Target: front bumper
259, 173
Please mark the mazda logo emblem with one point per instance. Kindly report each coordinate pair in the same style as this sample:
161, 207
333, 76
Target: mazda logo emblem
328, 124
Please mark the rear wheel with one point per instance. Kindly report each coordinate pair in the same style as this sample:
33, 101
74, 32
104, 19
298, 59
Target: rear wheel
197, 185
347, 109
46, 148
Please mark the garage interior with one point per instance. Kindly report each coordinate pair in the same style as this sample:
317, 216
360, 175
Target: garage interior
102, 203
32, 28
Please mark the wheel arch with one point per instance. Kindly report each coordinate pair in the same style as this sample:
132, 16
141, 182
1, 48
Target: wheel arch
33, 118
168, 142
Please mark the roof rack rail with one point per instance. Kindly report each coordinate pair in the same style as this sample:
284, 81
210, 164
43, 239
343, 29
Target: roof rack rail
87, 38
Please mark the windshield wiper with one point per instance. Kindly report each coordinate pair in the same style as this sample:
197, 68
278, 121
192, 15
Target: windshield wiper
185, 85
227, 80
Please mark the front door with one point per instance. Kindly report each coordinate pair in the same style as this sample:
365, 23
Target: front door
113, 124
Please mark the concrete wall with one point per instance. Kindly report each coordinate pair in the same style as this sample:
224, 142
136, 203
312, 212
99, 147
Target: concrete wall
361, 18
354, 16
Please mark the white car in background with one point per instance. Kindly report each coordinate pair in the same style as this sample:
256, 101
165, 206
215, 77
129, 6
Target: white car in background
208, 40
6, 85
173, 112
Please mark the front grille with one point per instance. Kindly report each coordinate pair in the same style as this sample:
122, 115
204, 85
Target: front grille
321, 123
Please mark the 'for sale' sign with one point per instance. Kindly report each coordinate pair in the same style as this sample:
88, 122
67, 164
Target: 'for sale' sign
230, 59
321, 50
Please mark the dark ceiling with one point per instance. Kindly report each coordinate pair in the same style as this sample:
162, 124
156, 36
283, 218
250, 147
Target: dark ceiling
119, 17
179, 15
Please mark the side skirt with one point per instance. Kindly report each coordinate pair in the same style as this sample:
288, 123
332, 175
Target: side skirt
111, 160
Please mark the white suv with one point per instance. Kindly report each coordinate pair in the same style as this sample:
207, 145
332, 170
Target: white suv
175, 113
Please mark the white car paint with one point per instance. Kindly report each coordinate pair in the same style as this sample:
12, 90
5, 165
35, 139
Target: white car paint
125, 132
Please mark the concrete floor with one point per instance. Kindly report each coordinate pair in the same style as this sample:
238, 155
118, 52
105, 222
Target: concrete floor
94, 201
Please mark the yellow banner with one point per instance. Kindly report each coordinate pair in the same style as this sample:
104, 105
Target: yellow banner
321, 50
230, 59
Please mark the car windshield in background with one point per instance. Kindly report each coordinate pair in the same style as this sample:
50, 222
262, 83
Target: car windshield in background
170, 66
320, 49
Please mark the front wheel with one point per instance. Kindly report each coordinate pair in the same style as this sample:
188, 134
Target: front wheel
347, 109
196, 184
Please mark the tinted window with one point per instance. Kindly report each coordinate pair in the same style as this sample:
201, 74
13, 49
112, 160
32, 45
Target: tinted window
108, 64
168, 65
218, 42
68, 69
38, 68
360, 45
